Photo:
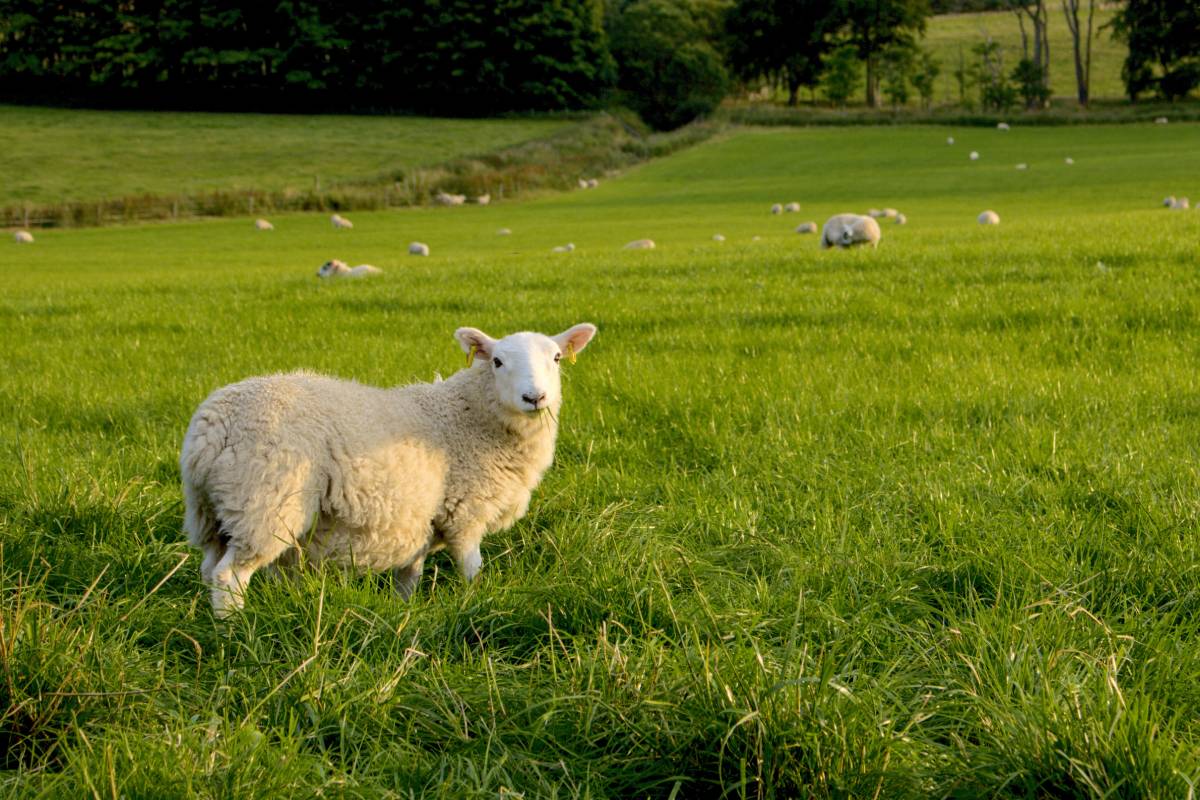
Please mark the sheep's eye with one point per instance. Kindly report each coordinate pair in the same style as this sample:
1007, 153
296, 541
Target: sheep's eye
497, 362
557, 357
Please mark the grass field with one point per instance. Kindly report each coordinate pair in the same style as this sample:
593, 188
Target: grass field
917, 522
950, 32
56, 155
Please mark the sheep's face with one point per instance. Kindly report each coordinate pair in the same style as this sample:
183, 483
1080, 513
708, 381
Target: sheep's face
525, 366
333, 267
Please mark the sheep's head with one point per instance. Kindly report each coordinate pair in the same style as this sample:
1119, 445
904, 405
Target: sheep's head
333, 267
525, 365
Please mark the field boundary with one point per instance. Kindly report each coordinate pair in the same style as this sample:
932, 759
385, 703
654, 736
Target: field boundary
595, 147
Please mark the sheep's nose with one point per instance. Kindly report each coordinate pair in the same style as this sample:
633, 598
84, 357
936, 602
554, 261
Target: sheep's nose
534, 400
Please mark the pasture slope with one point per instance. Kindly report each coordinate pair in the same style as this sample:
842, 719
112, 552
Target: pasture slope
918, 522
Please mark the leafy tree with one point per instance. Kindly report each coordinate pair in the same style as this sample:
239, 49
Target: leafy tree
995, 91
896, 66
1038, 15
669, 73
782, 39
1162, 34
842, 75
924, 75
873, 26
1030, 79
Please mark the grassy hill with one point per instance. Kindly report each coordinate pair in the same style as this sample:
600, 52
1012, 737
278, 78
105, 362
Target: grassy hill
56, 155
906, 523
948, 34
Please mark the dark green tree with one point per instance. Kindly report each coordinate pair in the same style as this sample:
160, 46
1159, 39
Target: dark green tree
924, 75
785, 40
1163, 37
873, 26
669, 73
842, 75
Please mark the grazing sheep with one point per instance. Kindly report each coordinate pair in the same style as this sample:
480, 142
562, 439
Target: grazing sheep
504, 232
418, 249
974, 155
338, 269
1022, 166
23, 237
1181, 203
1068, 161
791, 208
901, 219
444, 199
756, 238
263, 225
777, 208
849, 230
949, 140
483, 199
1002, 126
592, 183
564, 248
1160, 121
583, 184
341, 222
874, 213
718, 237
1169, 201
640, 244
292, 468
806, 227
890, 213
989, 218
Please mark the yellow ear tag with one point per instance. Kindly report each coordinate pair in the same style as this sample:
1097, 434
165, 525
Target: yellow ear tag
471, 356
570, 352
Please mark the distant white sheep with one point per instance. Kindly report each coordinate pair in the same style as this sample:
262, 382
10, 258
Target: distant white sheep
1022, 166
974, 155
949, 140
483, 199
1002, 126
592, 183
445, 199
1169, 201
1181, 204
901, 219
564, 248
989, 218
640, 244
806, 227
1068, 161
850, 230
583, 184
302, 468
1160, 121
263, 225
504, 232
341, 222
791, 208
338, 269
718, 237
418, 249
23, 237
777, 208
890, 213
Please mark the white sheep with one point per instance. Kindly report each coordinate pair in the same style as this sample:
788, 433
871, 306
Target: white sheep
1002, 126
849, 230
418, 249
640, 244
583, 183
338, 269
901, 219
791, 208
989, 218
1169, 201
564, 248
1160, 120
1022, 166
593, 183
504, 232
483, 199
974, 156
1068, 161
717, 237
806, 227
1181, 204
286, 469
263, 225
949, 140
874, 213
890, 213
341, 222
23, 237
777, 208
445, 199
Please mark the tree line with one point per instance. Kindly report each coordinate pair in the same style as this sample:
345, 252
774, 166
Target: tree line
670, 60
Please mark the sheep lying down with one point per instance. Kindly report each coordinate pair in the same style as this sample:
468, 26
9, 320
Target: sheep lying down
300, 467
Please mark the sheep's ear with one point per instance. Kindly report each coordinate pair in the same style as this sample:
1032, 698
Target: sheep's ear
474, 342
574, 339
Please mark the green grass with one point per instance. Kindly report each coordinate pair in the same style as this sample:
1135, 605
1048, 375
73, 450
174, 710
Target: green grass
57, 155
948, 33
918, 522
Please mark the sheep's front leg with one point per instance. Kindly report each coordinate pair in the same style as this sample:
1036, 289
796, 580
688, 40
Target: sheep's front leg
405, 579
470, 562
464, 549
